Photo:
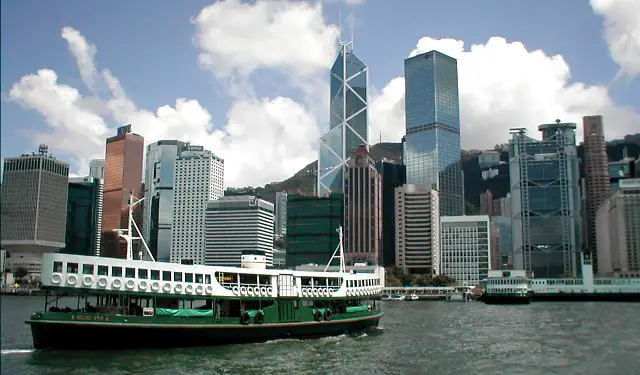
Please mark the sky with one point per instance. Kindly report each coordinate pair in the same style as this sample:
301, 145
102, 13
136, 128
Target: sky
249, 79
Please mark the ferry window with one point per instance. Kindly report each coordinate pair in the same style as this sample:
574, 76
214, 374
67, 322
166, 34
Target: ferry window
155, 275
143, 274
264, 280
305, 281
116, 271
103, 270
207, 279
177, 276
87, 269
72, 267
188, 277
166, 275
57, 266
130, 272
199, 278
248, 279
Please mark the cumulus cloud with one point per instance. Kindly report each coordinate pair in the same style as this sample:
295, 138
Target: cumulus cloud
503, 85
622, 32
84, 54
263, 140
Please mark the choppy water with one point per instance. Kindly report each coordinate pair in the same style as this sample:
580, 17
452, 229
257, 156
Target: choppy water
414, 338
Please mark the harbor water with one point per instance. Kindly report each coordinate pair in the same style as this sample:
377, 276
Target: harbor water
413, 338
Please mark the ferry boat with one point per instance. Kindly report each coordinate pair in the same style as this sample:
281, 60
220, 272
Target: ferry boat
506, 287
126, 303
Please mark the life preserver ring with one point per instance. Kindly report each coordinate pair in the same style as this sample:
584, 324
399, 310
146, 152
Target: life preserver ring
130, 284
259, 318
244, 318
56, 278
155, 286
243, 290
328, 314
256, 291
189, 289
72, 279
304, 292
250, 291
87, 281
102, 283
142, 285
269, 291
177, 288
209, 289
327, 292
117, 283
314, 292
235, 290
166, 287
263, 291
199, 289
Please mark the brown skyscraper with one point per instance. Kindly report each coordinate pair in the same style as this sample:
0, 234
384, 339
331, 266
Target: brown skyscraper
596, 177
363, 209
122, 176
486, 203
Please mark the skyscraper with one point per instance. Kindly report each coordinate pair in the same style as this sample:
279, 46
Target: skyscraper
122, 177
199, 178
362, 210
596, 177
96, 168
34, 207
348, 127
432, 146
84, 216
545, 201
280, 218
158, 192
393, 175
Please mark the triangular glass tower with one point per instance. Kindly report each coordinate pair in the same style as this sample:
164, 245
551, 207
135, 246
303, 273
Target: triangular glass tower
348, 127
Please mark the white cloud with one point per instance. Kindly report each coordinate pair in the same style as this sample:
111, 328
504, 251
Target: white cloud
84, 54
503, 85
622, 32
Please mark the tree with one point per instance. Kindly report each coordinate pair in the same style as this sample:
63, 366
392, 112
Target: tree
442, 280
20, 272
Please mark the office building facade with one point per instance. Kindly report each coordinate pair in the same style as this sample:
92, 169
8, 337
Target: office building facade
432, 146
505, 243
596, 178
34, 207
362, 210
618, 231
348, 126
465, 244
417, 229
159, 194
312, 224
198, 179
393, 175
96, 168
84, 216
280, 214
236, 226
545, 201
122, 178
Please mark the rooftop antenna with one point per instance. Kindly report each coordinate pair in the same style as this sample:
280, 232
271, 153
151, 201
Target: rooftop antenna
351, 21
340, 27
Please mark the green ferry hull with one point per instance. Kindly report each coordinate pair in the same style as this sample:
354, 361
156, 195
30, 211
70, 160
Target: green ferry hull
505, 300
88, 335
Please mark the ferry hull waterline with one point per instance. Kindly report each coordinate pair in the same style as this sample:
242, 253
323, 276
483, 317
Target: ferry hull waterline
129, 303
112, 335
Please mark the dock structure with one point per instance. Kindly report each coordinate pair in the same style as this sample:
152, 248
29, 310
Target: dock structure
447, 293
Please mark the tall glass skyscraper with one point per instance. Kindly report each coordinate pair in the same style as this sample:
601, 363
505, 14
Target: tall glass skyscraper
348, 127
432, 145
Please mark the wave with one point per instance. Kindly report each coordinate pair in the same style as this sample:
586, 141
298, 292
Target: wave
16, 351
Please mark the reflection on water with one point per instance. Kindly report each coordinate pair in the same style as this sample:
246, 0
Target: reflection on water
416, 337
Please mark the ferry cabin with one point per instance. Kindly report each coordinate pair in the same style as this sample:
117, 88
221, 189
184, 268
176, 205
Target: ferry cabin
153, 290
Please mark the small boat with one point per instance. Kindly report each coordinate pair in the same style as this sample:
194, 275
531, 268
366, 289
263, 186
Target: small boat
126, 303
412, 297
393, 297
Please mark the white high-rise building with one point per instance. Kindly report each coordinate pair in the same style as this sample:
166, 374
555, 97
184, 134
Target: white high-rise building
236, 226
96, 168
417, 229
464, 248
199, 178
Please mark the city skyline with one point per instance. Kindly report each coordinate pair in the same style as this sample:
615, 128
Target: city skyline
251, 115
